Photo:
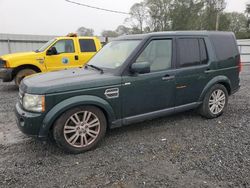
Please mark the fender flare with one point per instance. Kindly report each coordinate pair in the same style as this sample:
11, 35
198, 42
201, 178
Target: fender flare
72, 102
218, 79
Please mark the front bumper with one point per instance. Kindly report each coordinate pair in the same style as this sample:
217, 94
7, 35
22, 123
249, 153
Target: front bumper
28, 122
6, 74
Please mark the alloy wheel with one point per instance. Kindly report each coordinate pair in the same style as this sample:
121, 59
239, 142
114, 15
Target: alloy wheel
81, 129
217, 101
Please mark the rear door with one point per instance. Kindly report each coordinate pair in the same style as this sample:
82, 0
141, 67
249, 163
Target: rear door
87, 48
192, 69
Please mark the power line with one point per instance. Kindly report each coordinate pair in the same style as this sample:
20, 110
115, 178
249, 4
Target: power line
98, 8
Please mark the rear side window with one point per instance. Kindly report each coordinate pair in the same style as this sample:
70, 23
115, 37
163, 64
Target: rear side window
225, 46
203, 51
87, 45
189, 52
192, 52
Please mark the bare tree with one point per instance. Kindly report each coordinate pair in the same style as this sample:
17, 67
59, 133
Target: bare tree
138, 15
83, 31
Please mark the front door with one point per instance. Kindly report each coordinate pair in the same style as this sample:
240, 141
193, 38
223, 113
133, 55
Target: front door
154, 91
66, 56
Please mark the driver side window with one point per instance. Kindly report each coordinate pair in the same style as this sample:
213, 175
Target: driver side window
64, 46
158, 54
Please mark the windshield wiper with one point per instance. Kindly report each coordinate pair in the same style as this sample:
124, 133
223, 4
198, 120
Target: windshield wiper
95, 67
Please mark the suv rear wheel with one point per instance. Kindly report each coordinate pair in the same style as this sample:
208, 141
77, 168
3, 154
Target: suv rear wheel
22, 74
80, 129
214, 102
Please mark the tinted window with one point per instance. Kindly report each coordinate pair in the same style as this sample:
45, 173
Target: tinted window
189, 52
64, 46
158, 53
225, 46
203, 52
87, 45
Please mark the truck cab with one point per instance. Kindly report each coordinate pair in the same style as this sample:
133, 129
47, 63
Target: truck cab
59, 53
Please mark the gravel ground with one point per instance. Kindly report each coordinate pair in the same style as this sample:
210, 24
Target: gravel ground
183, 150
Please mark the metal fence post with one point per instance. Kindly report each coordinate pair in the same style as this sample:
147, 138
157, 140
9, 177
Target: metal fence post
9, 47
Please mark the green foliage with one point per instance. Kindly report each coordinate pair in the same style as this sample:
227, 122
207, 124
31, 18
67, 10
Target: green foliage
109, 33
164, 15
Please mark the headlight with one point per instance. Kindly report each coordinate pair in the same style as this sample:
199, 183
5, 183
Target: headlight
35, 103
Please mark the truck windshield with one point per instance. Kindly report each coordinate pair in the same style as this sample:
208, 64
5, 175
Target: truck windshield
114, 54
45, 46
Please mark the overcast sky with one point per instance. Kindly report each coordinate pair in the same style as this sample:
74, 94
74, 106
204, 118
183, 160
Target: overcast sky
57, 17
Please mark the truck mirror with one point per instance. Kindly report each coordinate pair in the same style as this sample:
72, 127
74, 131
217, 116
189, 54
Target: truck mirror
51, 51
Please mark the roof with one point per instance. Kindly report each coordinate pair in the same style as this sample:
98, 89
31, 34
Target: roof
172, 33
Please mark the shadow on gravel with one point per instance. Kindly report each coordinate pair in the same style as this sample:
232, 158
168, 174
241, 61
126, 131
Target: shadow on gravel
115, 137
8, 88
166, 122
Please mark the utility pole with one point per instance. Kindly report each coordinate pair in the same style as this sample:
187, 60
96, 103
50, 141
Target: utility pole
248, 14
219, 6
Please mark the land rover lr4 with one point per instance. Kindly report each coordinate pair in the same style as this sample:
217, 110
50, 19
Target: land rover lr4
132, 79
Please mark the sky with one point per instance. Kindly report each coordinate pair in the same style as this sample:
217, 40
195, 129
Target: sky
58, 17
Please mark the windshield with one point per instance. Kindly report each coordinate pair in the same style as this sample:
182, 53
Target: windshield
114, 54
46, 45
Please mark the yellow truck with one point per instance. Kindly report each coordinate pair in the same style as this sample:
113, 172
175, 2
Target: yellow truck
59, 53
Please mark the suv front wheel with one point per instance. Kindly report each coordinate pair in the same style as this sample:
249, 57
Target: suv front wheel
215, 102
80, 129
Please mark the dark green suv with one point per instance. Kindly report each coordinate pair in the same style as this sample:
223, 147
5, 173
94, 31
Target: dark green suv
132, 79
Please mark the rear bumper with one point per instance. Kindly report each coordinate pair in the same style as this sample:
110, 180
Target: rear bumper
6, 74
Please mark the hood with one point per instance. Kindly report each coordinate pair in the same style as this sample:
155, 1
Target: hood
67, 80
18, 55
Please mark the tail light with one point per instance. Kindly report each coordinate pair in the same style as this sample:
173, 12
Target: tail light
240, 65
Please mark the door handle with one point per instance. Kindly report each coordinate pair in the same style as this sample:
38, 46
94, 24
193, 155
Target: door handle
76, 57
168, 77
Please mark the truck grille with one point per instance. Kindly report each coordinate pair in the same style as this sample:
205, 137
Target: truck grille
2, 63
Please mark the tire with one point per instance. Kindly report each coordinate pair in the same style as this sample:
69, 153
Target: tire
22, 74
215, 102
74, 135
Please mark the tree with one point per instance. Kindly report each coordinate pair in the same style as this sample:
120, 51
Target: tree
123, 30
159, 14
238, 22
83, 31
211, 9
109, 33
138, 16
186, 15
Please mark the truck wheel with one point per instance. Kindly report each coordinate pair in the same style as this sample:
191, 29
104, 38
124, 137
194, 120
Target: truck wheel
23, 73
80, 129
214, 102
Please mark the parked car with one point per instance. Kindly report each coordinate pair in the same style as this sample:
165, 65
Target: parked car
59, 53
132, 79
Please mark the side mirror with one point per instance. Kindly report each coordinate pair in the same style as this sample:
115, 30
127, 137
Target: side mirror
141, 67
51, 51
